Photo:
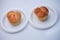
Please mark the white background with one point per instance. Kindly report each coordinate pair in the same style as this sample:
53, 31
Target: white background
30, 33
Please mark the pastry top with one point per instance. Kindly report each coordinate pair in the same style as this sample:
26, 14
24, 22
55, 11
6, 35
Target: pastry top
14, 17
44, 10
41, 11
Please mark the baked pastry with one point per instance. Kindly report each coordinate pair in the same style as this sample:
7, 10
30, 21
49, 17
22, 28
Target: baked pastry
14, 17
41, 13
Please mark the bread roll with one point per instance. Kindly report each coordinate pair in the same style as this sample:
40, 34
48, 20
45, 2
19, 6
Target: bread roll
41, 13
14, 17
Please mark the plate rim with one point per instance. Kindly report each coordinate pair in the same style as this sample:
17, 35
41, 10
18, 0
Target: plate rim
19, 29
55, 12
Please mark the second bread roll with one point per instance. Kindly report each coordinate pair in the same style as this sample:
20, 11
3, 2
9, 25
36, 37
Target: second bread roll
41, 13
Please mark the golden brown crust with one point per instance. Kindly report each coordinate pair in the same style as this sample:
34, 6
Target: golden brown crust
37, 10
41, 12
14, 17
44, 10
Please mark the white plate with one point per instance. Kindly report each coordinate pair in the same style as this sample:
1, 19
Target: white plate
52, 18
10, 28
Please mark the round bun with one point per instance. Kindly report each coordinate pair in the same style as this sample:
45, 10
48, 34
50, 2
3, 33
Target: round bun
14, 17
41, 13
